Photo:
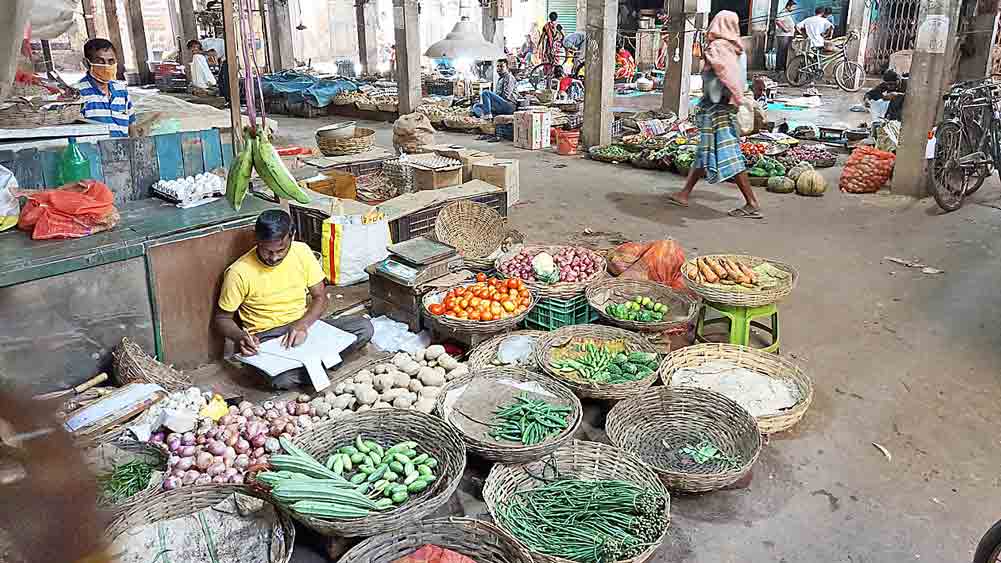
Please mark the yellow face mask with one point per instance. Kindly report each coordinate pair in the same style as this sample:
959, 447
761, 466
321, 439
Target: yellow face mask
103, 73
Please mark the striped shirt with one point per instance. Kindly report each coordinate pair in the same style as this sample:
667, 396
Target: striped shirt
114, 109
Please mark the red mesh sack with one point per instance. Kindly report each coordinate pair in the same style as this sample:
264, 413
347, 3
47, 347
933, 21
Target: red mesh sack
72, 211
866, 171
434, 554
658, 261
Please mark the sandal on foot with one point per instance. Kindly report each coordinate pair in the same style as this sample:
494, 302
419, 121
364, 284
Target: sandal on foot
746, 213
674, 201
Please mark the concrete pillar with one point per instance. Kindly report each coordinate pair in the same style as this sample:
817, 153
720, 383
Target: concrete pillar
978, 39
137, 33
88, 18
232, 40
930, 64
280, 38
189, 29
858, 19
115, 34
368, 50
581, 17
599, 73
408, 54
678, 74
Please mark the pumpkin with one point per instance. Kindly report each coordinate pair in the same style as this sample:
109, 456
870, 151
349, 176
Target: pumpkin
811, 183
781, 185
795, 171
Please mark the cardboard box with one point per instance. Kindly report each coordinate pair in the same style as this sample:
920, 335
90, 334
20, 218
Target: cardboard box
435, 179
531, 129
468, 157
334, 183
502, 173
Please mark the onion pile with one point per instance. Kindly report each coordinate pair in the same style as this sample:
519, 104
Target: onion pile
574, 264
221, 452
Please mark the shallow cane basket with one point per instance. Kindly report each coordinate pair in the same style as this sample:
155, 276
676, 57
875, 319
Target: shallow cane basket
659, 422
133, 365
582, 460
772, 365
24, 115
476, 230
724, 295
130, 450
479, 540
362, 141
168, 505
681, 308
559, 290
387, 427
482, 357
586, 389
470, 423
466, 326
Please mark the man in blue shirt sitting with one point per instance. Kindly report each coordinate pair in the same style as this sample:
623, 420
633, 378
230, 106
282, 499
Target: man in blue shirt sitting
105, 100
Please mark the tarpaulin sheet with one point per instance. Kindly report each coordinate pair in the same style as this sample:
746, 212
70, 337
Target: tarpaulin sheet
298, 87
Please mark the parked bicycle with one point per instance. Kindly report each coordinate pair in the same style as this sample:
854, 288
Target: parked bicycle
967, 141
811, 66
989, 548
542, 73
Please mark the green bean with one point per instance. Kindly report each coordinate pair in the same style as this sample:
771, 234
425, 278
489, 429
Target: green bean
125, 481
529, 421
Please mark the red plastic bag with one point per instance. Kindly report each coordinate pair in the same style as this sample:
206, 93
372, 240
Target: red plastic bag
866, 171
434, 554
658, 261
72, 211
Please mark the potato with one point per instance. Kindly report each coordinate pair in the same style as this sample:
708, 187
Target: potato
391, 394
411, 369
401, 380
424, 363
334, 413
419, 354
382, 405
429, 392
366, 395
381, 368
329, 396
440, 371
364, 376
415, 385
448, 362
401, 359
322, 408
412, 396
424, 405
383, 383
402, 402
434, 351
364, 408
429, 376
463, 369
344, 401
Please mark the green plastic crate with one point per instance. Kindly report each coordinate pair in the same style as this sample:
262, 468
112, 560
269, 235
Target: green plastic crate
550, 314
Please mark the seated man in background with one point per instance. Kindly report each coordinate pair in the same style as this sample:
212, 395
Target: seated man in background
891, 92
505, 101
202, 81
264, 296
105, 99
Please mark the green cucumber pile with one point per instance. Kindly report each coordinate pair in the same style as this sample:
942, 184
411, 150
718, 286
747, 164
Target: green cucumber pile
642, 309
589, 521
599, 364
528, 421
359, 479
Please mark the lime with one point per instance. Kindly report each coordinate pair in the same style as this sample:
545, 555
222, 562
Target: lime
647, 302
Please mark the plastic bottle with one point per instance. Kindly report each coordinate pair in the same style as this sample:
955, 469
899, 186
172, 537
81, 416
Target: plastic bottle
73, 164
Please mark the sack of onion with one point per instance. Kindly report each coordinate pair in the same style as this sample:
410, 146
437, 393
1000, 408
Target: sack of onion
866, 171
566, 264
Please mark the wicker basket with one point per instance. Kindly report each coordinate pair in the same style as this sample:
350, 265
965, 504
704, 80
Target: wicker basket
474, 432
134, 450
482, 356
23, 115
133, 365
462, 123
656, 423
477, 539
191, 499
474, 229
343, 100
488, 128
681, 307
472, 327
587, 389
559, 290
387, 426
772, 365
363, 140
719, 294
596, 154
583, 460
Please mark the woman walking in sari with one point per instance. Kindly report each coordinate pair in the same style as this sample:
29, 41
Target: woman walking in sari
718, 157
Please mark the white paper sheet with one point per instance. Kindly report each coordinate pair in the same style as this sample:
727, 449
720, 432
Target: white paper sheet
320, 350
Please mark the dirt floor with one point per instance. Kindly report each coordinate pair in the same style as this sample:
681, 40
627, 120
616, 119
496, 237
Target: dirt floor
902, 358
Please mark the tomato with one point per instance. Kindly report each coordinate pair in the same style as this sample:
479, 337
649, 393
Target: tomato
496, 308
464, 303
508, 306
498, 297
481, 277
462, 314
486, 316
484, 305
460, 291
436, 308
449, 303
526, 301
505, 315
512, 283
521, 309
451, 293
475, 301
474, 316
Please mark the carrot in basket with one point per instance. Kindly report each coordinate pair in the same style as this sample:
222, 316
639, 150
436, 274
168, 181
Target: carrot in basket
706, 271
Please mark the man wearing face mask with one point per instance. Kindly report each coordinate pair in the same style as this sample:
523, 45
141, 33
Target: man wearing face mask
105, 100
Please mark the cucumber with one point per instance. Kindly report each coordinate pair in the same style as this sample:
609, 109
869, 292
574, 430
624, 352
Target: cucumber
374, 447
350, 450
410, 453
383, 503
356, 457
424, 470
358, 479
390, 476
400, 498
347, 462
364, 488
330, 461
380, 485
338, 465
401, 458
376, 458
377, 474
362, 447
397, 467
431, 462
411, 477
417, 486
366, 469
420, 459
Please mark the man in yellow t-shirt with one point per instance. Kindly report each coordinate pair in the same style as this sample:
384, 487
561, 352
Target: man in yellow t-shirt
264, 295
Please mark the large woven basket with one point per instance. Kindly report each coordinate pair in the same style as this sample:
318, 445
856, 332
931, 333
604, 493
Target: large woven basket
133, 450
479, 540
388, 426
472, 327
133, 365
470, 425
559, 290
725, 296
362, 141
681, 308
482, 357
583, 460
191, 499
23, 115
476, 230
661, 420
587, 389
772, 365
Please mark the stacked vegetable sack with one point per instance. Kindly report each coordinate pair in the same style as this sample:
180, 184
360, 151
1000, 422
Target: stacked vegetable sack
603, 362
361, 478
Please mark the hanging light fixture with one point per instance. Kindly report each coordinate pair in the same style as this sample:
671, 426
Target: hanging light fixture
464, 42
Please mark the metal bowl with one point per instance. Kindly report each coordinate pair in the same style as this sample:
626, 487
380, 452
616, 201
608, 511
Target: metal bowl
344, 130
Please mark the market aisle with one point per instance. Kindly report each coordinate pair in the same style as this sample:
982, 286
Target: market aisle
902, 358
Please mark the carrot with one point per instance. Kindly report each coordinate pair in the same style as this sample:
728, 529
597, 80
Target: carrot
748, 272
720, 271
707, 272
732, 271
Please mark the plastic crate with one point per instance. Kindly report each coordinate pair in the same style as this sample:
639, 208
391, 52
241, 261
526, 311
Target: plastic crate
307, 223
422, 222
551, 314
504, 131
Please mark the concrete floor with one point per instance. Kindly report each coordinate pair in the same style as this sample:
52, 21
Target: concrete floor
898, 357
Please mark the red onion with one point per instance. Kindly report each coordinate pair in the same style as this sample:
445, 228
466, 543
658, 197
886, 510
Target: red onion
203, 479
312, 410
229, 453
255, 429
271, 414
242, 461
216, 447
259, 440
171, 483
188, 439
177, 472
172, 460
304, 421
277, 429
236, 479
259, 411
233, 438
242, 446
258, 452
301, 409
186, 451
245, 405
279, 406
219, 479
262, 460
185, 463
190, 476
172, 436
203, 460
173, 443
290, 408
226, 420
270, 446
215, 469
292, 430
230, 472
157, 438
233, 410
201, 439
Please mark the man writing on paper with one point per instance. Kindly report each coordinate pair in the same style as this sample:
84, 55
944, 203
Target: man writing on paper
264, 296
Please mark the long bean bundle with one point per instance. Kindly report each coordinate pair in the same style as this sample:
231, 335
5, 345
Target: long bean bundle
598, 521
125, 481
529, 421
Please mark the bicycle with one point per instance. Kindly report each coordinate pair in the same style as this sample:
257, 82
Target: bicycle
542, 73
967, 142
810, 66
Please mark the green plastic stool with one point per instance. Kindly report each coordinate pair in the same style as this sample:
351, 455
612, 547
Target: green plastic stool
741, 319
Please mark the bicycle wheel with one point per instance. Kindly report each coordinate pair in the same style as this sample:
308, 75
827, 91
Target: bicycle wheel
540, 74
949, 180
794, 73
849, 75
989, 548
